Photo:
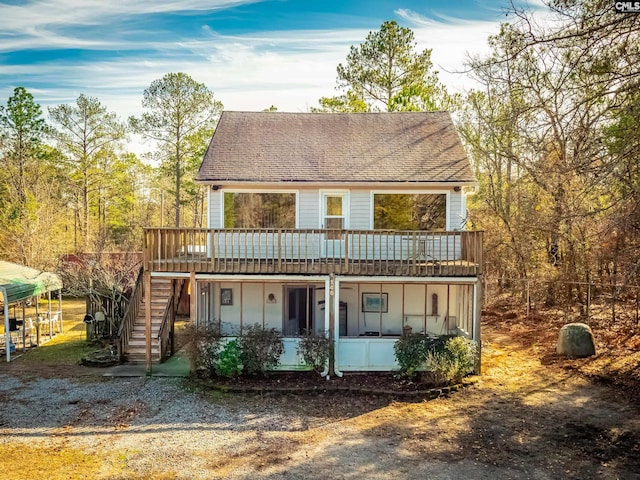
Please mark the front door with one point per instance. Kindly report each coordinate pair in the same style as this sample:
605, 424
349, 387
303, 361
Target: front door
334, 219
299, 311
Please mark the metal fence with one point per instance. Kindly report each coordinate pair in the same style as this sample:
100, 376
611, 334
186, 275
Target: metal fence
578, 301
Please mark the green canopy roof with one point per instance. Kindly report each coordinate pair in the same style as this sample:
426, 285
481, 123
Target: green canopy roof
18, 282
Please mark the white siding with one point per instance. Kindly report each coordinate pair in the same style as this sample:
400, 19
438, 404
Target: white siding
366, 354
215, 209
360, 214
229, 316
454, 214
309, 209
360, 209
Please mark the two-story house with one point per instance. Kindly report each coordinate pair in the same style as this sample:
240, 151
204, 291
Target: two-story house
352, 224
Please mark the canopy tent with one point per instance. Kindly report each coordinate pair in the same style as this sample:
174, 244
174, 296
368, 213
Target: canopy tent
17, 283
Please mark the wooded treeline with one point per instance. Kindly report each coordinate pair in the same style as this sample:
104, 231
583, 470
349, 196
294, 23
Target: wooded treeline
553, 133
551, 128
69, 184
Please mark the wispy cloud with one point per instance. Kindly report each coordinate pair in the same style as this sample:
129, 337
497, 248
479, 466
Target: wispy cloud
40, 13
90, 24
123, 51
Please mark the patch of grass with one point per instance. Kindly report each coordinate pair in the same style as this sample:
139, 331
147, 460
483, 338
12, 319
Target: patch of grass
53, 463
65, 463
60, 350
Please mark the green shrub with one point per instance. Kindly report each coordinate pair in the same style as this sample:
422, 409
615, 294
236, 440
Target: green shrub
260, 349
229, 362
203, 347
438, 369
462, 354
411, 351
315, 350
453, 363
445, 359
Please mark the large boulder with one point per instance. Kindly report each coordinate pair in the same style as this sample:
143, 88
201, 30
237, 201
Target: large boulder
576, 340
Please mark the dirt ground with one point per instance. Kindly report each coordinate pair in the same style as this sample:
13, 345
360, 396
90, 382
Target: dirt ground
531, 415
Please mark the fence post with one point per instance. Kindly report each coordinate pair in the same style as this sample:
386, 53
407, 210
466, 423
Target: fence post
637, 318
588, 300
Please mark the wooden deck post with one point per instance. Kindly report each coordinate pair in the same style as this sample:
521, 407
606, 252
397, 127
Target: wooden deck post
192, 299
147, 320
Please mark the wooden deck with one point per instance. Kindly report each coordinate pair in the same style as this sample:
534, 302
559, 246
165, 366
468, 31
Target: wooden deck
314, 252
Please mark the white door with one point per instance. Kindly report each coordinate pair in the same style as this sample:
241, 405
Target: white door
334, 207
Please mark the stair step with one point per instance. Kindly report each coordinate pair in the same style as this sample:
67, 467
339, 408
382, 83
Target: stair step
155, 312
142, 349
141, 345
140, 334
138, 359
142, 330
142, 320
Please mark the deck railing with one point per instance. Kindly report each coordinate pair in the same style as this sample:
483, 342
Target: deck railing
312, 251
165, 334
126, 326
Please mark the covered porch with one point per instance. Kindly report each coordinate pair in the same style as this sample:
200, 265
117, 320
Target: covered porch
19, 284
365, 316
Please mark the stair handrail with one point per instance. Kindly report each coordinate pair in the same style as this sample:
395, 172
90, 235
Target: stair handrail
126, 326
165, 334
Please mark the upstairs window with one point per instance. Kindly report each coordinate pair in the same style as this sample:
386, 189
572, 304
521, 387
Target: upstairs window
425, 211
259, 210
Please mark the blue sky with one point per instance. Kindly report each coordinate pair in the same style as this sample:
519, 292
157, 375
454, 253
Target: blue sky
251, 54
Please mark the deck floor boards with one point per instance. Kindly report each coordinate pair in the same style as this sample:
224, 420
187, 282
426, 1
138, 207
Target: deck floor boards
202, 264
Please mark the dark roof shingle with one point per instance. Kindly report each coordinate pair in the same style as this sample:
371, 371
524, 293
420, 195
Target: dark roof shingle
335, 148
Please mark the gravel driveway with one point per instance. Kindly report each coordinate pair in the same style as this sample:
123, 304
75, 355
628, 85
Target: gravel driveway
157, 425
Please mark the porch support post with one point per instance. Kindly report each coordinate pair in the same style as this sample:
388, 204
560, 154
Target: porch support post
147, 319
327, 326
7, 334
194, 296
335, 311
477, 303
49, 314
48, 310
24, 327
60, 309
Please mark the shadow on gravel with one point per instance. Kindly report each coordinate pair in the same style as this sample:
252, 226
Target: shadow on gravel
543, 434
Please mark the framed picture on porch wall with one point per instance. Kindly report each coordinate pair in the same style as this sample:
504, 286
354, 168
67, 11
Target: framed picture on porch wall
226, 296
375, 302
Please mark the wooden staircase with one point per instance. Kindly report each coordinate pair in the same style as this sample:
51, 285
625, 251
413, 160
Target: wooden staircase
135, 350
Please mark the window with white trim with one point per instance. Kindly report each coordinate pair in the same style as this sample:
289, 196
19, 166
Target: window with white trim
259, 210
396, 211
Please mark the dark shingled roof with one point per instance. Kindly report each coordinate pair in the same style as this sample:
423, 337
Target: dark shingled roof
335, 147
